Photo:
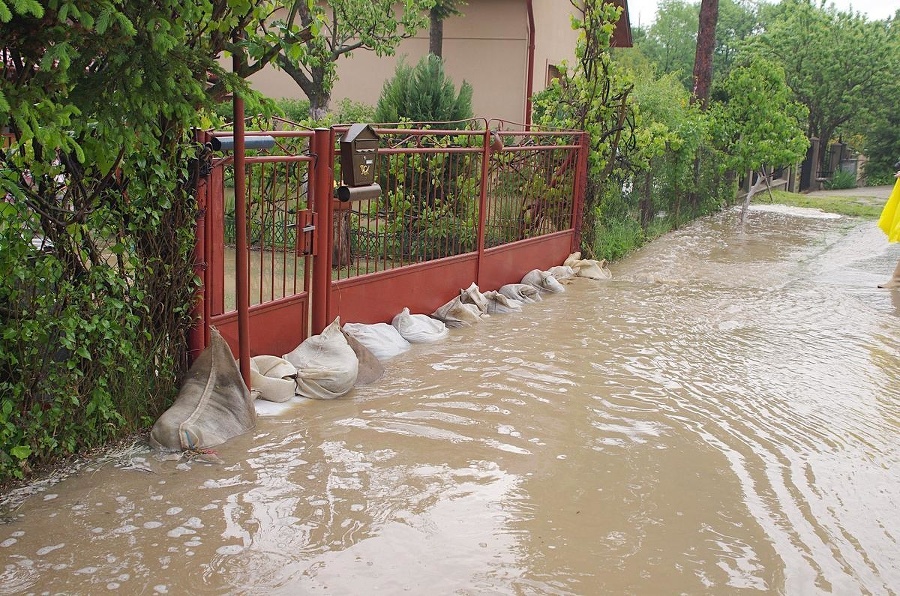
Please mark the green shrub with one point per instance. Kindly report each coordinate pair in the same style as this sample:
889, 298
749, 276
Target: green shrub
423, 94
841, 179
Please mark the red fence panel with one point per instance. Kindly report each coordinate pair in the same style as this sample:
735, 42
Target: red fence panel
456, 207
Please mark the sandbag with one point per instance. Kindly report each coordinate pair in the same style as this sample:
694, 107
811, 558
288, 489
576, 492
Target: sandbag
472, 295
370, 369
273, 378
381, 339
589, 268
522, 292
213, 404
499, 304
543, 281
562, 272
455, 314
326, 365
419, 328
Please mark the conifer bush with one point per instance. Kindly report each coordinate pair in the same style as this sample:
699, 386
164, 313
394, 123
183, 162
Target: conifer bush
423, 94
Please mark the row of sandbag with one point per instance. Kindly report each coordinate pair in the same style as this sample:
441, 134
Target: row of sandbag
385, 341
214, 404
326, 366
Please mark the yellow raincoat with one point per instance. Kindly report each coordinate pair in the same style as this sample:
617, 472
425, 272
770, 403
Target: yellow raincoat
889, 222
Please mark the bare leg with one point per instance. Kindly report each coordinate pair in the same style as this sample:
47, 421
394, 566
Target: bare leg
894, 281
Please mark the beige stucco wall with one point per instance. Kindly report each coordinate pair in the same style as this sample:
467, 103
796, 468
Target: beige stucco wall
487, 46
554, 37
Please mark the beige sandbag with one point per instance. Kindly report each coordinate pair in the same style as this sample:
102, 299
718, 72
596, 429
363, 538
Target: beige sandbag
499, 304
562, 272
455, 314
326, 365
370, 369
522, 292
273, 378
213, 404
381, 339
590, 268
472, 295
417, 328
543, 281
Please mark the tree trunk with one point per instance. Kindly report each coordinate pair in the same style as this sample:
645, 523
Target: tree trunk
706, 45
436, 34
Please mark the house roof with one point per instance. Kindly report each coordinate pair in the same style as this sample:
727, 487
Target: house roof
622, 34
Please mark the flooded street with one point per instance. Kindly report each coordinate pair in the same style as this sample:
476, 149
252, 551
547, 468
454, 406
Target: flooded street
723, 416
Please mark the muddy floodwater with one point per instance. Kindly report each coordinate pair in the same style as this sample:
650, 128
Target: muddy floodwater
721, 417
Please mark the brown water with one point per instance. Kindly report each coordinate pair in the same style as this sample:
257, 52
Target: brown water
721, 417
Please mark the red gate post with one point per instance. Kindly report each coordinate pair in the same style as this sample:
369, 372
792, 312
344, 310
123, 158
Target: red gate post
323, 189
242, 257
482, 201
581, 177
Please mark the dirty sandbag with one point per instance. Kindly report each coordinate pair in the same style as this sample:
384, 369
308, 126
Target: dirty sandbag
522, 292
498, 304
590, 268
419, 328
213, 404
326, 365
455, 314
543, 281
273, 378
562, 272
382, 339
472, 295
369, 369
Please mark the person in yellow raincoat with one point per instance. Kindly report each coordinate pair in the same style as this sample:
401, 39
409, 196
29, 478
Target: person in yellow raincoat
889, 222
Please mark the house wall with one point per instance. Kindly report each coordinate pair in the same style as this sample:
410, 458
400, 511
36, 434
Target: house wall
554, 38
486, 46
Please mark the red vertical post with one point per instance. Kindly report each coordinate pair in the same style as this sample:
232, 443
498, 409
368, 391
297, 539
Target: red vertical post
323, 204
242, 257
581, 177
482, 202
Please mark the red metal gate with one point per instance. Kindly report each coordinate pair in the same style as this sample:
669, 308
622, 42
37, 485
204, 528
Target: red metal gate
484, 204
279, 182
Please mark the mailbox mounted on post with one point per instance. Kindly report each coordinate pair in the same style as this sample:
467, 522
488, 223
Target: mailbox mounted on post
359, 153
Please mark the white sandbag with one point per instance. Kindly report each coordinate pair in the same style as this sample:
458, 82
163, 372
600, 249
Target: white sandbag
455, 314
370, 368
382, 339
472, 295
522, 292
543, 281
500, 304
589, 268
213, 404
419, 328
561, 272
326, 365
273, 378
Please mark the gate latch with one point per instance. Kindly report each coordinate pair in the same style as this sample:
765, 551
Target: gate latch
306, 232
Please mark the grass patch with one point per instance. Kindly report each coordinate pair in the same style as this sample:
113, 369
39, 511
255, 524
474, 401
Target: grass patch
864, 207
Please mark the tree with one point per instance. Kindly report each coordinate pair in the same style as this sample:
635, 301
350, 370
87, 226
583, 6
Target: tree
706, 45
757, 122
593, 97
671, 40
99, 168
335, 30
423, 94
839, 65
441, 10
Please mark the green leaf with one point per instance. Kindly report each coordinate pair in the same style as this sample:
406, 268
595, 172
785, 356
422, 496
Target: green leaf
20, 452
